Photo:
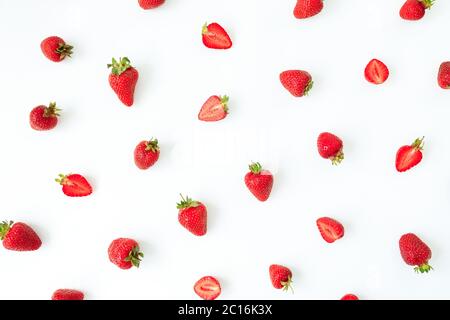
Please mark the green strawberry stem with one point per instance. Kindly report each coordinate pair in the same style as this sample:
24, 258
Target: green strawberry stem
224, 100
255, 167
287, 284
186, 203
52, 110
427, 3
205, 28
423, 268
418, 144
152, 145
135, 256
337, 159
119, 67
4, 228
64, 50
62, 179
308, 87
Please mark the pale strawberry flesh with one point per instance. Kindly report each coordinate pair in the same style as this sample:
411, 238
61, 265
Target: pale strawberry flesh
207, 288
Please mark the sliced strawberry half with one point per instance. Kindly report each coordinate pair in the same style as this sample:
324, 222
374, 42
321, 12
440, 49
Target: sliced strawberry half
376, 72
214, 109
74, 185
409, 156
215, 37
330, 229
207, 288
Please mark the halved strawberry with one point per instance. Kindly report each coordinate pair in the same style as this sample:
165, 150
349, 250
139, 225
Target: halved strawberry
409, 156
207, 288
350, 296
330, 229
215, 37
74, 185
214, 109
376, 72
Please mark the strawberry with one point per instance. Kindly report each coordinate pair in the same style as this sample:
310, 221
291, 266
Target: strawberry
415, 252
207, 288
415, 9
259, 181
409, 156
19, 236
67, 294
146, 154
55, 48
215, 37
74, 185
214, 109
444, 75
349, 297
123, 79
281, 277
150, 4
376, 72
330, 229
125, 253
307, 8
297, 82
330, 147
192, 215
43, 117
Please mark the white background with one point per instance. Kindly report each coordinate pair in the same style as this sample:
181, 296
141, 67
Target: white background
96, 137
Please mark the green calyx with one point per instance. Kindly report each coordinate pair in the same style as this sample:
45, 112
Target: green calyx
337, 159
119, 67
62, 179
255, 167
52, 110
4, 228
64, 50
224, 100
423, 268
186, 203
427, 3
152, 145
308, 87
418, 144
135, 256
205, 28
287, 284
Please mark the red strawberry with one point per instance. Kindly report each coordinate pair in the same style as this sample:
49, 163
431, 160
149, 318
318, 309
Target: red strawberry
330, 147
415, 252
192, 215
55, 48
349, 297
409, 156
19, 236
259, 181
415, 9
207, 288
125, 253
74, 185
150, 4
215, 37
43, 117
281, 277
376, 72
444, 75
330, 229
297, 82
123, 79
67, 294
146, 153
307, 8
214, 109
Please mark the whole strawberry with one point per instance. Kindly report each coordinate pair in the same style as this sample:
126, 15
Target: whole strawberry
349, 297
19, 236
67, 294
55, 48
125, 253
297, 82
415, 9
281, 277
43, 117
215, 37
207, 288
214, 109
330, 147
259, 181
123, 79
74, 185
409, 156
444, 75
192, 215
146, 154
330, 229
307, 8
415, 252
150, 4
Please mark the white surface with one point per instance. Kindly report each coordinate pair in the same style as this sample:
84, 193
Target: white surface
96, 136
